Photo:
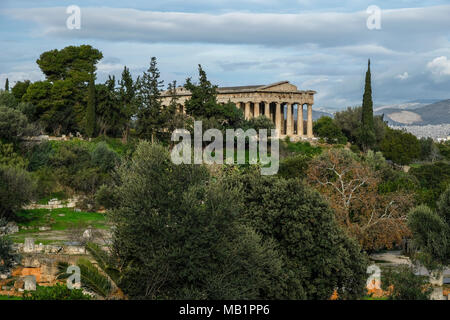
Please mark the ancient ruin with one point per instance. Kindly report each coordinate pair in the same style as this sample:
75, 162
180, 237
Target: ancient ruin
277, 101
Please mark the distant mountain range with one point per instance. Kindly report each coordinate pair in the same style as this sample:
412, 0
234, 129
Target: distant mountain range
418, 113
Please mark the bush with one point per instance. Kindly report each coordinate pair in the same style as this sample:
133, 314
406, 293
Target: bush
57, 292
300, 147
433, 179
9, 158
197, 248
39, 156
400, 146
103, 157
294, 167
13, 123
326, 128
318, 257
403, 284
16, 189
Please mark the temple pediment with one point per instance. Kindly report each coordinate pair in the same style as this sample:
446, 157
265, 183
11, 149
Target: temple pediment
283, 86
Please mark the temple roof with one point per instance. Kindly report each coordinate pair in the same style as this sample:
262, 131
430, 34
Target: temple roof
281, 86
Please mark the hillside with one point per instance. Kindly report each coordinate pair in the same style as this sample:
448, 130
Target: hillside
431, 114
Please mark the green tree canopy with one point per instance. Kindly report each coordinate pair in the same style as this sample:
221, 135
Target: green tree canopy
72, 62
16, 189
178, 237
318, 257
13, 123
326, 128
400, 146
20, 88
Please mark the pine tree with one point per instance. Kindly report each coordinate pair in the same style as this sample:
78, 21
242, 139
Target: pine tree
203, 101
127, 100
367, 132
90, 111
150, 114
7, 84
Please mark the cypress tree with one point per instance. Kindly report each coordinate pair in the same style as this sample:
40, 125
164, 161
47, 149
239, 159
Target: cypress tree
367, 133
7, 84
90, 111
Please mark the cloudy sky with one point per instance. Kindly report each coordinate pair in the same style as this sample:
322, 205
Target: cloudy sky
320, 45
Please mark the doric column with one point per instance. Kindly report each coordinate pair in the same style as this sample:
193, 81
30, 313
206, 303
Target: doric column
300, 131
289, 120
247, 110
267, 109
310, 122
278, 118
256, 109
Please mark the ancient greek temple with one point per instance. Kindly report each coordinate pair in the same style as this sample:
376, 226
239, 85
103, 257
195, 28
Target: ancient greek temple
278, 101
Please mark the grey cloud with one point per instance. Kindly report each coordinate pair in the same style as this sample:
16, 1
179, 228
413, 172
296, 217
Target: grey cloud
415, 29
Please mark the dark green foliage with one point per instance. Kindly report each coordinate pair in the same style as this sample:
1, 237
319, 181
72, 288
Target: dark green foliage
39, 94
300, 147
433, 178
428, 150
431, 235
20, 88
349, 121
90, 110
325, 128
103, 157
150, 114
443, 206
7, 99
258, 123
56, 292
75, 62
127, 100
7, 85
91, 277
203, 103
178, 237
444, 149
10, 158
400, 146
39, 156
366, 134
405, 285
13, 124
317, 256
16, 189
60, 115
294, 167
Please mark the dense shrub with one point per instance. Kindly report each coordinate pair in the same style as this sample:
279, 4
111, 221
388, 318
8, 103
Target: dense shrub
294, 167
403, 284
10, 158
103, 157
57, 292
39, 156
178, 234
16, 189
13, 123
433, 178
326, 128
400, 146
317, 255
